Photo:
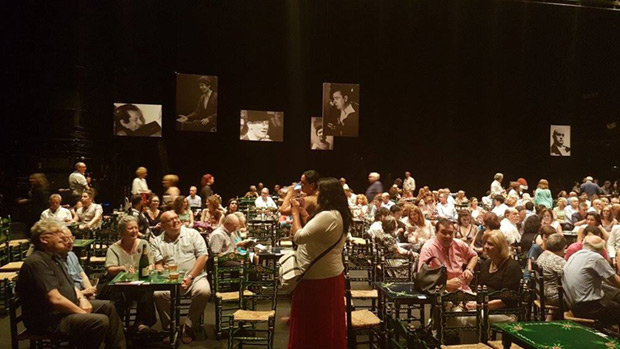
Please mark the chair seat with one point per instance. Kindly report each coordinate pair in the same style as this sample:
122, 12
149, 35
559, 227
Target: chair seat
14, 243
537, 303
358, 241
499, 345
231, 296
94, 259
10, 276
466, 346
568, 315
27, 335
13, 266
364, 294
253, 315
364, 318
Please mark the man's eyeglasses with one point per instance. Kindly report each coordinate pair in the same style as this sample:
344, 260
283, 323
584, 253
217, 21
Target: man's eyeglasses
170, 220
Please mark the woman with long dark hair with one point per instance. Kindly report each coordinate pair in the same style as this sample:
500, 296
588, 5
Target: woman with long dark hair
317, 309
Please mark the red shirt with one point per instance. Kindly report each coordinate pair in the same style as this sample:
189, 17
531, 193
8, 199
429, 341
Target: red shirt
576, 246
459, 254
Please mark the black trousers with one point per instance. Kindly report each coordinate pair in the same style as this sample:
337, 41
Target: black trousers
90, 330
605, 310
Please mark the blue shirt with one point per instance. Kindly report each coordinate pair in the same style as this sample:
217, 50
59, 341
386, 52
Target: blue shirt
72, 263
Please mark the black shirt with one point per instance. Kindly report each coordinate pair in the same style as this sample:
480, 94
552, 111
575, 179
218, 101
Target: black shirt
508, 275
41, 273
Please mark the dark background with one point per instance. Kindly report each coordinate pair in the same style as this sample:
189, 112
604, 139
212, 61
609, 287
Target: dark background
453, 91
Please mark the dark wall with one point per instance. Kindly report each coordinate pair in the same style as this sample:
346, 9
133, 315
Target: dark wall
453, 91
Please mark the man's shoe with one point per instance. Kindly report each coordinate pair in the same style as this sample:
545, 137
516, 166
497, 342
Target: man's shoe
188, 335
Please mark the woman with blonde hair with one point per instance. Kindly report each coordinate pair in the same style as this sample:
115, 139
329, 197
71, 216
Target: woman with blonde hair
543, 194
139, 185
419, 230
360, 209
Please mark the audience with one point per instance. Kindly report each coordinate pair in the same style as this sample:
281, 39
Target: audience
56, 212
552, 263
153, 215
508, 226
90, 215
195, 201
264, 200
181, 207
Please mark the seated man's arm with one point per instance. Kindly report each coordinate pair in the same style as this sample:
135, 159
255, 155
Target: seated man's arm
614, 280
61, 304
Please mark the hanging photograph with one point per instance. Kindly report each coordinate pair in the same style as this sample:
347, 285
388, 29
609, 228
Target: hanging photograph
261, 126
196, 103
137, 119
318, 139
341, 109
560, 140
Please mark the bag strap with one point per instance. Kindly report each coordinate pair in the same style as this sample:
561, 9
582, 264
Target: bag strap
321, 256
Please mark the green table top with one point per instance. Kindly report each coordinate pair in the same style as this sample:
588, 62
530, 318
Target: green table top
154, 279
81, 243
556, 335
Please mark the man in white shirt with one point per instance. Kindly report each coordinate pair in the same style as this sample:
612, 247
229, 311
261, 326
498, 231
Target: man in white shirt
220, 241
508, 226
78, 182
500, 207
446, 209
349, 193
264, 200
409, 182
385, 201
571, 209
187, 248
194, 200
55, 212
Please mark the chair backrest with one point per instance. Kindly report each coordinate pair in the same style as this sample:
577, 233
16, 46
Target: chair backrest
227, 271
453, 305
396, 267
262, 282
519, 302
360, 257
15, 319
537, 287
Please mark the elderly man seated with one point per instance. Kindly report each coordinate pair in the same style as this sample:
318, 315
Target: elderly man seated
446, 209
52, 305
459, 259
55, 212
508, 226
264, 200
584, 274
220, 240
185, 247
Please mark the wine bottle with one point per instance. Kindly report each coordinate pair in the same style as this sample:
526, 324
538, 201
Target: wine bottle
144, 264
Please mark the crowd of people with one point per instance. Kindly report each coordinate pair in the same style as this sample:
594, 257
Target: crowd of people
438, 227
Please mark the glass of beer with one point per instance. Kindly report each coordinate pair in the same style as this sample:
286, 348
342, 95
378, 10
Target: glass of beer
172, 266
173, 271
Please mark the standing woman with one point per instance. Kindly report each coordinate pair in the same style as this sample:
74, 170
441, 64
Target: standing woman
543, 194
139, 185
171, 191
317, 308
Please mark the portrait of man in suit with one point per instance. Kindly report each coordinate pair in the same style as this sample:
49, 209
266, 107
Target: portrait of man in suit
203, 117
560, 141
340, 109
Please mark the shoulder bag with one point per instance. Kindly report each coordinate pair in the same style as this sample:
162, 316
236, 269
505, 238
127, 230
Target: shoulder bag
427, 279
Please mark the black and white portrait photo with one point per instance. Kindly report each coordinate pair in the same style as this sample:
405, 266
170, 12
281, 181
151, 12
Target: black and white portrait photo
341, 109
261, 126
137, 120
318, 139
560, 140
196, 103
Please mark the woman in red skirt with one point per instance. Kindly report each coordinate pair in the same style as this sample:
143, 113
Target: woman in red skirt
317, 309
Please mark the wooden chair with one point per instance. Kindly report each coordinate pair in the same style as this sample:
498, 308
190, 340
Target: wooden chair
396, 268
537, 285
361, 322
362, 264
227, 271
566, 314
5, 229
453, 305
522, 309
262, 282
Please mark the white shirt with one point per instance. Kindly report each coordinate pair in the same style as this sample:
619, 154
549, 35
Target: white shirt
138, 186
61, 215
569, 211
77, 183
87, 215
376, 229
613, 243
499, 210
409, 183
262, 203
351, 199
446, 211
496, 188
220, 241
388, 205
321, 232
510, 231
195, 202
185, 250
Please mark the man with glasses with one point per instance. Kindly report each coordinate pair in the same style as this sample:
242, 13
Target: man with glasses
52, 305
72, 264
187, 249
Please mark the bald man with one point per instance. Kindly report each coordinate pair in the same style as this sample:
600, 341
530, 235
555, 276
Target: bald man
264, 200
584, 274
78, 183
220, 241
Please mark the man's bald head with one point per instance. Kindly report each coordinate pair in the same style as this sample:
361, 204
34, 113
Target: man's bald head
231, 222
594, 243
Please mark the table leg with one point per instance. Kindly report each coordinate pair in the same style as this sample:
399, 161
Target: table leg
174, 315
506, 342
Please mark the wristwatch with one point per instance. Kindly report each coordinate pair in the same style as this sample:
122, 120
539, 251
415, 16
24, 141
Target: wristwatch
190, 277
